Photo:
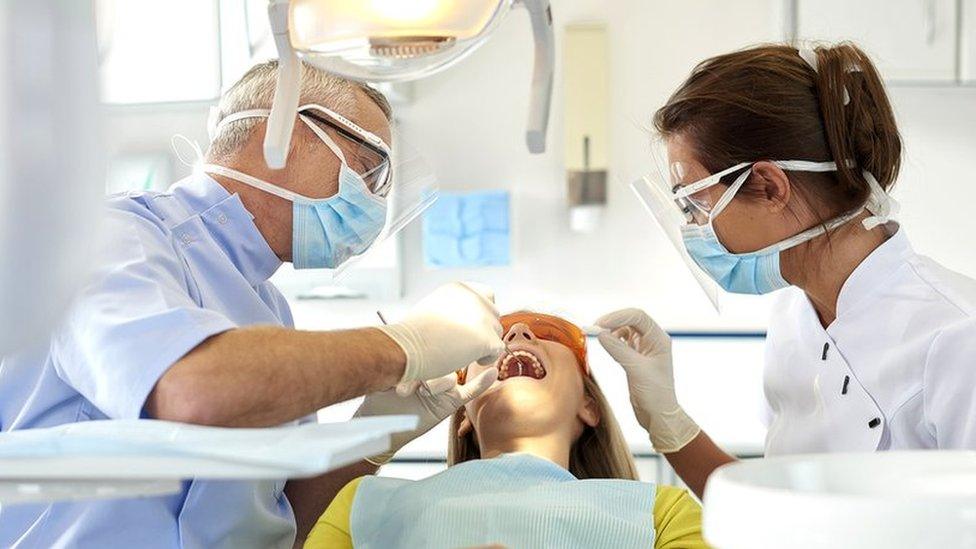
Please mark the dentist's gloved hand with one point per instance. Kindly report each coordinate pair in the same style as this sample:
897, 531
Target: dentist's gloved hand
638, 344
452, 327
432, 402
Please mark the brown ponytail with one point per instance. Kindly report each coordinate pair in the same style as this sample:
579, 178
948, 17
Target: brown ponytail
767, 103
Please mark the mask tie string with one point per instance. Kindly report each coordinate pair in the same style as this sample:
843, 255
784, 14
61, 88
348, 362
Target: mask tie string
179, 142
881, 205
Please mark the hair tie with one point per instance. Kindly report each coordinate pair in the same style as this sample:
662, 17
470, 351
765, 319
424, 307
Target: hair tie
810, 56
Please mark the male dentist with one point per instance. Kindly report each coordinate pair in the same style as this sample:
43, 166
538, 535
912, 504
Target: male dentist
180, 323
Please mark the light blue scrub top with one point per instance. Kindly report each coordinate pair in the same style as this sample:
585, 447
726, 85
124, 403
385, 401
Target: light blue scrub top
175, 269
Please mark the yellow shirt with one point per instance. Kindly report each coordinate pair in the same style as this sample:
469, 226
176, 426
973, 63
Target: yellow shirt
677, 521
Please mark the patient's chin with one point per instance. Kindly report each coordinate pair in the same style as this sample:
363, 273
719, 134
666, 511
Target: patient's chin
517, 413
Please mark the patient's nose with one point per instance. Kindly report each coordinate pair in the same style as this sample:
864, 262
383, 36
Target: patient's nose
519, 332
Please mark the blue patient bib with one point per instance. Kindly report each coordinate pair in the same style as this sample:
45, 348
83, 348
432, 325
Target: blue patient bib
517, 500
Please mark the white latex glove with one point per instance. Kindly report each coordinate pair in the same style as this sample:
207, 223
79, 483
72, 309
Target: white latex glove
452, 327
432, 403
638, 344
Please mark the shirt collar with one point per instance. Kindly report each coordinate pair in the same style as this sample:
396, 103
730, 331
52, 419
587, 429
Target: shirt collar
868, 277
230, 224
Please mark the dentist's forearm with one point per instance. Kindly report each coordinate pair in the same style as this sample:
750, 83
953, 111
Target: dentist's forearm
264, 376
697, 461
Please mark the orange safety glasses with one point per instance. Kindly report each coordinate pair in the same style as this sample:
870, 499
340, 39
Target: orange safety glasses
549, 328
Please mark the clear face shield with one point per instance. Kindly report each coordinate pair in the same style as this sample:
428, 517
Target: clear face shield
685, 199
395, 171
409, 186
658, 192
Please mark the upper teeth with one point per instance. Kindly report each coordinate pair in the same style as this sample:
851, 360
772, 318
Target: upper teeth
511, 366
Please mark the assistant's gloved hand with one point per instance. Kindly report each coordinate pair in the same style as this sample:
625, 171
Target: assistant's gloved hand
452, 327
432, 402
638, 344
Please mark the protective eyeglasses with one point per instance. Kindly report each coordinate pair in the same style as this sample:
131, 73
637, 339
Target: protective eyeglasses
692, 198
371, 152
555, 329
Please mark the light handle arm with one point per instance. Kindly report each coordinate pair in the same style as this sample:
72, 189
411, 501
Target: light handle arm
277, 138
540, 97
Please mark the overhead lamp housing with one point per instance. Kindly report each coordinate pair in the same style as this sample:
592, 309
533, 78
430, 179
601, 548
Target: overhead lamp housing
394, 41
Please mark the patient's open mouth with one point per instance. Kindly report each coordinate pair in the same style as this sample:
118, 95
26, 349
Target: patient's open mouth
521, 363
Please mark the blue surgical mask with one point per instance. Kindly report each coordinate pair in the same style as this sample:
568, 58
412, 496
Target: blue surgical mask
326, 232
759, 272
753, 273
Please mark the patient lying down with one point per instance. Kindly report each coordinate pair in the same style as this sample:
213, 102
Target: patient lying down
536, 461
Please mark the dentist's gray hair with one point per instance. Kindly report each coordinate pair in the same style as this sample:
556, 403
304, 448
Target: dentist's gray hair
255, 90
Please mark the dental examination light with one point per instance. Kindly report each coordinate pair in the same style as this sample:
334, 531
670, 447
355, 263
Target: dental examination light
394, 41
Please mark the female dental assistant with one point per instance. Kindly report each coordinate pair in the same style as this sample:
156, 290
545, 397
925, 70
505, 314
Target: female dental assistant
780, 161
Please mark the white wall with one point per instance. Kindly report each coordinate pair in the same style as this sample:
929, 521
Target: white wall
141, 129
937, 186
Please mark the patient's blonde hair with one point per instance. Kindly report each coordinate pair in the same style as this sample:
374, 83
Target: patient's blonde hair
599, 452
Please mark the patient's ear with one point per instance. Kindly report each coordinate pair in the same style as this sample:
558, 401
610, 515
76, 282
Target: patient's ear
589, 412
464, 427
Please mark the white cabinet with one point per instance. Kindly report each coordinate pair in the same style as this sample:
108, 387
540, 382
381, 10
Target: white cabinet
967, 42
910, 40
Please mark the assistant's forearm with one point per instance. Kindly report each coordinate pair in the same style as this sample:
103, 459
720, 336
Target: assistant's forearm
264, 376
697, 460
310, 497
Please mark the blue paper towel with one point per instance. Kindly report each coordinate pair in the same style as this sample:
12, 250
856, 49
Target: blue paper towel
467, 230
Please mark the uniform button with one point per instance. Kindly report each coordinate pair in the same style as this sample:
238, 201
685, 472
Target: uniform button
847, 380
222, 219
874, 422
185, 239
826, 347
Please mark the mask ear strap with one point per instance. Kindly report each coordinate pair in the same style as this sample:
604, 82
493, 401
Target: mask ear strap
253, 182
324, 137
175, 142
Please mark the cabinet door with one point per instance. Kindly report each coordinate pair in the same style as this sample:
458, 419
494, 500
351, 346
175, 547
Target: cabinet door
910, 40
967, 42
